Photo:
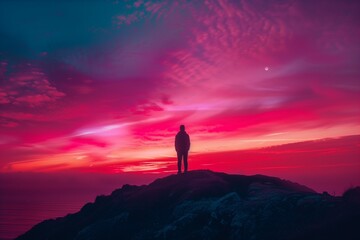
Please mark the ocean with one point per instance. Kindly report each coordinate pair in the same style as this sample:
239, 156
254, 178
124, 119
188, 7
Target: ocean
18, 213
30, 198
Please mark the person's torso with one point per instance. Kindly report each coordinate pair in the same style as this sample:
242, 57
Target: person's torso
182, 140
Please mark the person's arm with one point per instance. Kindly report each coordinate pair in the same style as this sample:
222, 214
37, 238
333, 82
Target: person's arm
188, 142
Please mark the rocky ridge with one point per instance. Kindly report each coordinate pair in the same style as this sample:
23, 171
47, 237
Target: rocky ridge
209, 205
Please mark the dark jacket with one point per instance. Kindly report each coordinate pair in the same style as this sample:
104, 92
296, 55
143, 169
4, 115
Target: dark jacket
182, 142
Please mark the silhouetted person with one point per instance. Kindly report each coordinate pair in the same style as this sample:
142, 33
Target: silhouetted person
182, 146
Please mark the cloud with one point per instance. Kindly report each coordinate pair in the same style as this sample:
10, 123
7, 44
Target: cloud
128, 19
226, 35
33, 100
29, 87
147, 108
4, 98
8, 124
140, 10
77, 142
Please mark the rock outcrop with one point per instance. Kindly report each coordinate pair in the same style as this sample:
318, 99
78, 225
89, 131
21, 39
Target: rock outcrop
209, 205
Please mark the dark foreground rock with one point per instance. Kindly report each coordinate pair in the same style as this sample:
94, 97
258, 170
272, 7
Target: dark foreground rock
209, 205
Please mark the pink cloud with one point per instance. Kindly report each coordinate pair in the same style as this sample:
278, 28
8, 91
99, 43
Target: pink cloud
78, 142
34, 100
29, 87
8, 124
83, 89
147, 108
4, 98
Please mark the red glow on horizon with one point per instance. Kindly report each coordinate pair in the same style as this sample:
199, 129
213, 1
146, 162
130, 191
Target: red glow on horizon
314, 163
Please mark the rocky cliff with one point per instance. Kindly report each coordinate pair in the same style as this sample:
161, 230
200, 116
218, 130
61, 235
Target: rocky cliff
209, 205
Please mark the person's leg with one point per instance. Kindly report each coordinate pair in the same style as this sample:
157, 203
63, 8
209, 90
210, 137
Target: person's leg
185, 161
179, 156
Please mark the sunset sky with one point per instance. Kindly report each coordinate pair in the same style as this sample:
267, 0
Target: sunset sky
102, 86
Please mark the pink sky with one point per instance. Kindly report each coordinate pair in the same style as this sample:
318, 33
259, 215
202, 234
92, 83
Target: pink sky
114, 89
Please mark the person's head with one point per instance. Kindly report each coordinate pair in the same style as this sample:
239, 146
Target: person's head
182, 127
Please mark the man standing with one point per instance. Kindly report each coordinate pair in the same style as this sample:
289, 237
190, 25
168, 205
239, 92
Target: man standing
182, 146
